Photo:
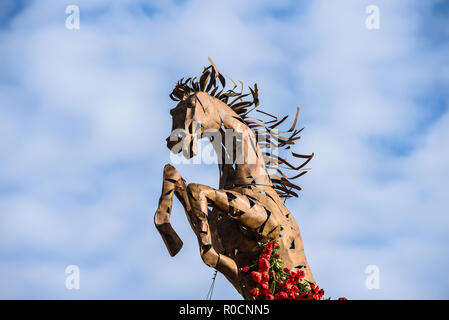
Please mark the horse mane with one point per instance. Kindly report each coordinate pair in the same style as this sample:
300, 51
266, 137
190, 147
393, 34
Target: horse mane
208, 83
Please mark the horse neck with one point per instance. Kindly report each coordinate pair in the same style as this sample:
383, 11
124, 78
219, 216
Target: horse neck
247, 165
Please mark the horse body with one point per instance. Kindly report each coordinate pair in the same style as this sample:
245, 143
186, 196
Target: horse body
230, 222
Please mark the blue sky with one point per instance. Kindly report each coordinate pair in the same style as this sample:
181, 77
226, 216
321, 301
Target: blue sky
84, 115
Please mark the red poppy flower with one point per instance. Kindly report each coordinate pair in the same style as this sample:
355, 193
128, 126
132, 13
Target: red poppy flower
281, 295
257, 276
276, 245
316, 292
286, 270
276, 255
245, 269
304, 296
288, 285
264, 264
263, 291
268, 249
269, 297
300, 274
265, 276
266, 256
264, 285
254, 292
292, 296
342, 298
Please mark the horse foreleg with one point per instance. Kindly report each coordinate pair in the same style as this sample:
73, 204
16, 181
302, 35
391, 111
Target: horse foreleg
199, 196
172, 184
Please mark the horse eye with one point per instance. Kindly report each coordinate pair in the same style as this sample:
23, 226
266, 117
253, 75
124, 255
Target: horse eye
191, 102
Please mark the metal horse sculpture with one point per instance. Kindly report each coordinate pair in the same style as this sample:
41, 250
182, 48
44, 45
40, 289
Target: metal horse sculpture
232, 222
